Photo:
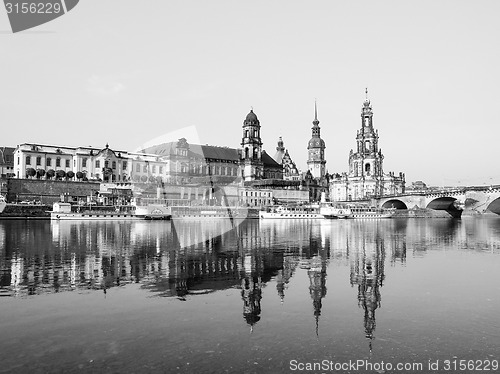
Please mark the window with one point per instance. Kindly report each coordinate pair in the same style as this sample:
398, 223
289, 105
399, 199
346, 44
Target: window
58, 162
97, 164
67, 163
124, 165
154, 169
144, 168
106, 164
38, 160
113, 165
49, 161
160, 169
138, 168
84, 163
28, 160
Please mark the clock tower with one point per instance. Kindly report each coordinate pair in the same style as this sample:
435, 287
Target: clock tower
316, 163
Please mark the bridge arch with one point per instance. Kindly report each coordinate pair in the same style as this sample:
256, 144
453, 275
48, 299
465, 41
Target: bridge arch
394, 203
494, 206
442, 203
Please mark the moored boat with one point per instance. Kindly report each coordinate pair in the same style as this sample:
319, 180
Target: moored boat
330, 210
66, 211
291, 212
370, 212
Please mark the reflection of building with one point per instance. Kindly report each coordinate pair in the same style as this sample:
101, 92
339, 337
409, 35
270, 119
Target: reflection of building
317, 285
366, 177
367, 272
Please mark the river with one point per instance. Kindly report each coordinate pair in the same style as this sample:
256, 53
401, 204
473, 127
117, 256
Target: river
250, 297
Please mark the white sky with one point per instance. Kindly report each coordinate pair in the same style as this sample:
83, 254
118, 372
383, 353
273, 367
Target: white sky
124, 72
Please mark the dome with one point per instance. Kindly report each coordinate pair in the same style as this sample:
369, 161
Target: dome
316, 143
251, 116
251, 119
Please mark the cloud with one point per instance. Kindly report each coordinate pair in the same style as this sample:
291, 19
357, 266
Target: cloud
104, 87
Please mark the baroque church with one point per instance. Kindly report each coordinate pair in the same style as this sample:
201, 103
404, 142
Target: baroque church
366, 177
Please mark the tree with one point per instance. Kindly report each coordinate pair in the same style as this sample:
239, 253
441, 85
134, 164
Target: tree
30, 172
40, 173
152, 179
70, 174
60, 174
159, 180
79, 175
144, 178
136, 178
50, 173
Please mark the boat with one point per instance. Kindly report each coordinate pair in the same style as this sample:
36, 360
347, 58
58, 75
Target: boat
209, 212
290, 212
67, 211
3, 203
370, 212
330, 210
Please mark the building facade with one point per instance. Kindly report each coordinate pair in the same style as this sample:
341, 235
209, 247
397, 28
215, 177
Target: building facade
366, 177
290, 170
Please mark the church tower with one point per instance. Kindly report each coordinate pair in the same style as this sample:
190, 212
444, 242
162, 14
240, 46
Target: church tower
251, 149
366, 162
316, 163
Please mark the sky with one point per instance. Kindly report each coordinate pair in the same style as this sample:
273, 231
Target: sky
126, 72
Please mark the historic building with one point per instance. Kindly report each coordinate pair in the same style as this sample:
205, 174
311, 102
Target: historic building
316, 162
290, 170
32, 160
366, 177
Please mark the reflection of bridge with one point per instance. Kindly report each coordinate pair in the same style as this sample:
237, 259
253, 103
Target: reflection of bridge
476, 200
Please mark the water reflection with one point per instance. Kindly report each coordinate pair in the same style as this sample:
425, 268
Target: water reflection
201, 257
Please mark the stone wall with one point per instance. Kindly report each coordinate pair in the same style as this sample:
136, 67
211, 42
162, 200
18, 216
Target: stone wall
47, 191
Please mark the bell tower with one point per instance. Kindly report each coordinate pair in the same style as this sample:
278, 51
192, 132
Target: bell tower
316, 163
367, 161
251, 149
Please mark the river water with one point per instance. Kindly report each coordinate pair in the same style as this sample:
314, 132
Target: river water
250, 297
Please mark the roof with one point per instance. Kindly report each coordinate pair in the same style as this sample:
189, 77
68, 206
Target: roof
269, 161
196, 150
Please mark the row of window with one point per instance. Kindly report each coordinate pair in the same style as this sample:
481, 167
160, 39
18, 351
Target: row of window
68, 162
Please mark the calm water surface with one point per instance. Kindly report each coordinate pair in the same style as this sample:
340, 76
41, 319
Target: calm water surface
259, 297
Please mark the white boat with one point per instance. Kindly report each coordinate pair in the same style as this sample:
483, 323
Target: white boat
370, 212
329, 210
65, 211
3, 203
290, 212
153, 211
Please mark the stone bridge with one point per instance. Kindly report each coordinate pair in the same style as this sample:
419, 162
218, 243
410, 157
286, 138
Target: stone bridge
473, 200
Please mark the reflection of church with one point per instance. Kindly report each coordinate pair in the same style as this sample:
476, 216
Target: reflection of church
367, 272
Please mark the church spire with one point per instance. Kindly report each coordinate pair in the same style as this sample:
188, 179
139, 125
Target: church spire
315, 122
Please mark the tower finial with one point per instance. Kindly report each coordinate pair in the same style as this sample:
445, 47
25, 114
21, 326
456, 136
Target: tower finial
366, 93
315, 110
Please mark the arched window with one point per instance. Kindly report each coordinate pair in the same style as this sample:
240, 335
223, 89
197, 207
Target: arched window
367, 146
49, 161
355, 171
246, 152
246, 133
367, 169
255, 153
113, 165
38, 160
28, 160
